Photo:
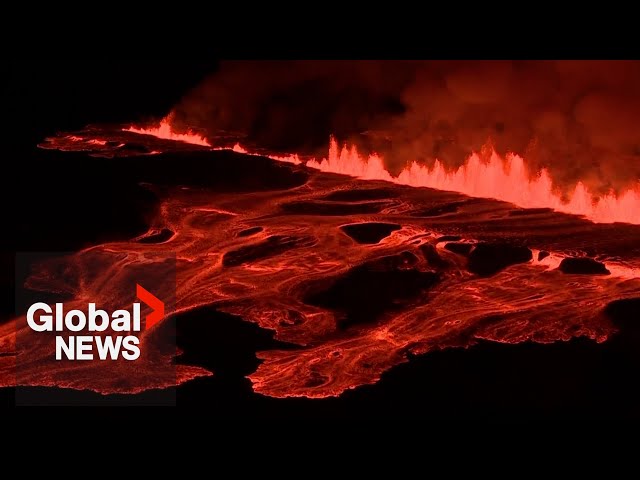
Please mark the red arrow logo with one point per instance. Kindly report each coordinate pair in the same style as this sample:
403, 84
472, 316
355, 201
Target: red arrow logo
155, 303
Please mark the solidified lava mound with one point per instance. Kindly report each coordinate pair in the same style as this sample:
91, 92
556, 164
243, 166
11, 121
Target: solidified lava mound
460, 248
368, 291
625, 312
332, 208
369, 233
584, 266
489, 258
433, 258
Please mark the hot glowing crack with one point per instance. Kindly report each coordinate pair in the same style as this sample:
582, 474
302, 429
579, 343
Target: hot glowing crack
502, 179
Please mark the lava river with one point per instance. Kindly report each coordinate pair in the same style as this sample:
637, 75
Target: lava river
356, 275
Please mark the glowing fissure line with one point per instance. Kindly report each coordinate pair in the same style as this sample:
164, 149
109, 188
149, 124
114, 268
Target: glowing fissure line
501, 179
165, 132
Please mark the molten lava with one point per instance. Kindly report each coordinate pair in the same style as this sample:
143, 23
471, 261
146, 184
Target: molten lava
165, 131
506, 180
357, 275
501, 179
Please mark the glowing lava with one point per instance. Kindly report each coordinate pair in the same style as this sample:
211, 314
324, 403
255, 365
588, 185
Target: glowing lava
359, 275
165, 131
506, 180
501, 179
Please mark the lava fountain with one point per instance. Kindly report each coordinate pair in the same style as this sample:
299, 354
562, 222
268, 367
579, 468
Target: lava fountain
165, 131
501, 179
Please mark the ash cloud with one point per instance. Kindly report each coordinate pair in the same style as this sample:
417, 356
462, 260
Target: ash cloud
578, 119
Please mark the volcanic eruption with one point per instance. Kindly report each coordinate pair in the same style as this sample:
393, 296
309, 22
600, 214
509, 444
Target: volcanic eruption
365, 213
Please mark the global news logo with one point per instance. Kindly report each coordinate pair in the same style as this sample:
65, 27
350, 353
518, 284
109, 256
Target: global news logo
116, 331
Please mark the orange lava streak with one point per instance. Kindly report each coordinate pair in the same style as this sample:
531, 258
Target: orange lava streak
500, 179
165, 131
295, 159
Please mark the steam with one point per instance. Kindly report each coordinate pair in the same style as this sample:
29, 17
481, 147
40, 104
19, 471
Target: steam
578, 119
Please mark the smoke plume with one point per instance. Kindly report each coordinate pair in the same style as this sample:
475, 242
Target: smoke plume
578, 119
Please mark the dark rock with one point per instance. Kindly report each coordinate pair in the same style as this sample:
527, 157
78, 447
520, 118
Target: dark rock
489, 258
584, 266
402, 261
369, 233
332, 208
249, 231
361, 194
221, 342
459, 247
136, 147
368, 291
624, 313
542, 254
432, 256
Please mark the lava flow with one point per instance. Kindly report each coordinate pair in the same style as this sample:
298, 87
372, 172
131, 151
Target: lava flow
165, 130
502, 179
355, 275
